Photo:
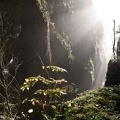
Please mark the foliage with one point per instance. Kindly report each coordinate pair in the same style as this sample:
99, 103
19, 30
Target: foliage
53, 91
32, 80
55, 68
99, 104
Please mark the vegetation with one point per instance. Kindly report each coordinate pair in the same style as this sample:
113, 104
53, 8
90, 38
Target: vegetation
9, 86
99, 104
47, 99
51, 93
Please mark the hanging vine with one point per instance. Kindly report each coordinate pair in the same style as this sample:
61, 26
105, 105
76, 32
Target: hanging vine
43, 8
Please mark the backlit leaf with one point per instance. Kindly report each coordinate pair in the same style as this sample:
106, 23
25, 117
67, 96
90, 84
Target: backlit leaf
53, 106
30, 110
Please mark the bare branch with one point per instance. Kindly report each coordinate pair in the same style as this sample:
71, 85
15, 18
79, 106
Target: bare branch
8, 81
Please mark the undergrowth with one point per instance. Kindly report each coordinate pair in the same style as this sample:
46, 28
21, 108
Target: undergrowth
98, 104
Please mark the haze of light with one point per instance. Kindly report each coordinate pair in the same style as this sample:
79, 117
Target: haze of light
107, 11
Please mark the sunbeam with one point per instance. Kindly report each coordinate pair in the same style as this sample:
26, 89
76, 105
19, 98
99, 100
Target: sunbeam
107, 9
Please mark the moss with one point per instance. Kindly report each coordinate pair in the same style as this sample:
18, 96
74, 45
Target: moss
98, 104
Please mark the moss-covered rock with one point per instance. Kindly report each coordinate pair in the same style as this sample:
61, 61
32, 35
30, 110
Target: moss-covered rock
113, 73
99, 104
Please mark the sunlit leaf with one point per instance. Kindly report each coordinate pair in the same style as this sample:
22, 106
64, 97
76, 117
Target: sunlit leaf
53, 92
27, 88
40, 91
53, 106
32, 80
57, 89
62, 92
56, 68
34, 100
43, 67
30, 110
45, 93
46, 117
24, 101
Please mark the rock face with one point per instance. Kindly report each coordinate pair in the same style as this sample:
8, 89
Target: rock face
32, 37
13, 9
80, 27
113, 73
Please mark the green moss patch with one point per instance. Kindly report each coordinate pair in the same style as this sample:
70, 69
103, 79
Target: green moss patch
98, 104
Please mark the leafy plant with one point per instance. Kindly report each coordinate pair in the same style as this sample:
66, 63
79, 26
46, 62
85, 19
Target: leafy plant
53, 90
